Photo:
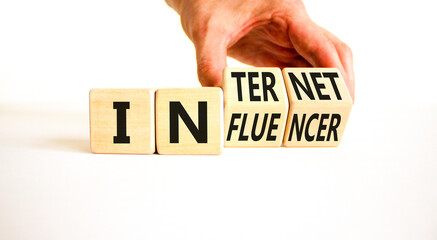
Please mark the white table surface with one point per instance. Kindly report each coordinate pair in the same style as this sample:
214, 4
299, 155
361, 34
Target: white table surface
380, 183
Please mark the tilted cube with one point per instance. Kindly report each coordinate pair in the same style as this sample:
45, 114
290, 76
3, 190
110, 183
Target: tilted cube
319, 107
256, 107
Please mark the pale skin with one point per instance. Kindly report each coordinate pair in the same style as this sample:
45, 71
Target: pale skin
261, 33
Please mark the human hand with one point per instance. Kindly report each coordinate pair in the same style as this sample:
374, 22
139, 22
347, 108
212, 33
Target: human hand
274, 33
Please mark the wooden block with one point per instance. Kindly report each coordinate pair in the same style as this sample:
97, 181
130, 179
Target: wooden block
256, 107
319, 107
189, 121
122, 121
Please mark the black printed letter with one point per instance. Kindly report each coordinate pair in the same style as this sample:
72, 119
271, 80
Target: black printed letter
121, 122
200, 134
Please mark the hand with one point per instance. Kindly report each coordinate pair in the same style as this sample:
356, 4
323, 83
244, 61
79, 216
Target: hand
274, 33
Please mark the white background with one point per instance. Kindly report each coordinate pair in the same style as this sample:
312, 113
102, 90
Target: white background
380, 183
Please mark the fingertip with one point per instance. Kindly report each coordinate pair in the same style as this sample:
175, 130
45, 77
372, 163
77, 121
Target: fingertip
209, 75
211, 60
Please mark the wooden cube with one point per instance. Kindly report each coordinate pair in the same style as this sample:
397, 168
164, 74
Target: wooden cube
189, 121
319, 107
256, 107
122, 121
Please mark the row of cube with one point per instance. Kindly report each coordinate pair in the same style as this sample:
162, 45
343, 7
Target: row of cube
263, 107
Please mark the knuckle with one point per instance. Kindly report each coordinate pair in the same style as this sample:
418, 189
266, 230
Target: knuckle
205, 67
207, 73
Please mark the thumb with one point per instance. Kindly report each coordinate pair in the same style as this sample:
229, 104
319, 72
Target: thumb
211, 60
312, 44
